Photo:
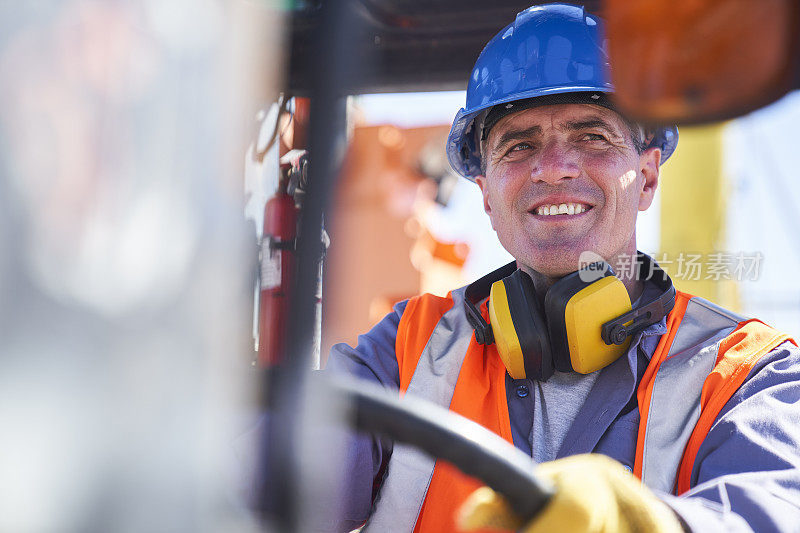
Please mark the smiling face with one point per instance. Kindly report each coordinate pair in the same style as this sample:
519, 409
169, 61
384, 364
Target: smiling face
563, 179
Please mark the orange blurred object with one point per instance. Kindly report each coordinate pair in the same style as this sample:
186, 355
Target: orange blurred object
690, 61
382, 251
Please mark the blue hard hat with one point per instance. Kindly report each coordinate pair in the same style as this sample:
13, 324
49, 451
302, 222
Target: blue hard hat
548, 50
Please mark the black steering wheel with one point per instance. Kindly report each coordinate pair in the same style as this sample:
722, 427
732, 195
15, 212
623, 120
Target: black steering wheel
442, 434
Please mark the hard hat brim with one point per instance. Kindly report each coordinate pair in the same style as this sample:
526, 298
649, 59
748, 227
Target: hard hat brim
463, 142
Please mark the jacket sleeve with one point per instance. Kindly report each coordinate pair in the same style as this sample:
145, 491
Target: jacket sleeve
747, 473
373, 359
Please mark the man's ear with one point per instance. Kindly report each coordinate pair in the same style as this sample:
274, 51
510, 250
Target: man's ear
650, 166
481, 181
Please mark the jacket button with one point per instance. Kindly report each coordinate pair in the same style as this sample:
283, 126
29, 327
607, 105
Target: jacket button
522, 391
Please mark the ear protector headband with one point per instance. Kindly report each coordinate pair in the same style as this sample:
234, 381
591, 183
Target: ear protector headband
584, 324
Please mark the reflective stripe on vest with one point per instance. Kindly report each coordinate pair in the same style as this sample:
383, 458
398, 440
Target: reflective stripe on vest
409, 472
737, 355
689, 360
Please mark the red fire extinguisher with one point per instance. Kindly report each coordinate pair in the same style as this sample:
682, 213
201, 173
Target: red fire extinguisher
277, 260
277, 257
277, 264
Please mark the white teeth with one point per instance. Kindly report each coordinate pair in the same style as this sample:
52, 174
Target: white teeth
561, 209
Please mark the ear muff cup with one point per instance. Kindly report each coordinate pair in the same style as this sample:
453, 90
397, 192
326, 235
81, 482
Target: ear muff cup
520, 328
576, 311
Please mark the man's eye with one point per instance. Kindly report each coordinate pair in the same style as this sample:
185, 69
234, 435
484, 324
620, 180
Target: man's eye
519, 147
593, 137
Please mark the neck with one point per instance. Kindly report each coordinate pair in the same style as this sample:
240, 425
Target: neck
621, 263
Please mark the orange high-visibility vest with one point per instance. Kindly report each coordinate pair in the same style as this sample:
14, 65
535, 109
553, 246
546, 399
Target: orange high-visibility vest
706, 353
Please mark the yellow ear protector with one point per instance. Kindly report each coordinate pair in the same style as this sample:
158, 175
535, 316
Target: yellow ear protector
584, 324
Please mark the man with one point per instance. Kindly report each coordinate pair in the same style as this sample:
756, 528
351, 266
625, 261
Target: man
698, 403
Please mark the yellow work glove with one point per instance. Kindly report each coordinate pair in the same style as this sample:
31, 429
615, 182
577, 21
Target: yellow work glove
594, 494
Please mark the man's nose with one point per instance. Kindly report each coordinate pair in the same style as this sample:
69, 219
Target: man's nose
556, 162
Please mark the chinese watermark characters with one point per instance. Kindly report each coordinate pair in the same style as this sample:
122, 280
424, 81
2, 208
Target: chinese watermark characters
715, 266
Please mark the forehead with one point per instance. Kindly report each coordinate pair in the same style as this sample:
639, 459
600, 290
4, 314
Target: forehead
555, 116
